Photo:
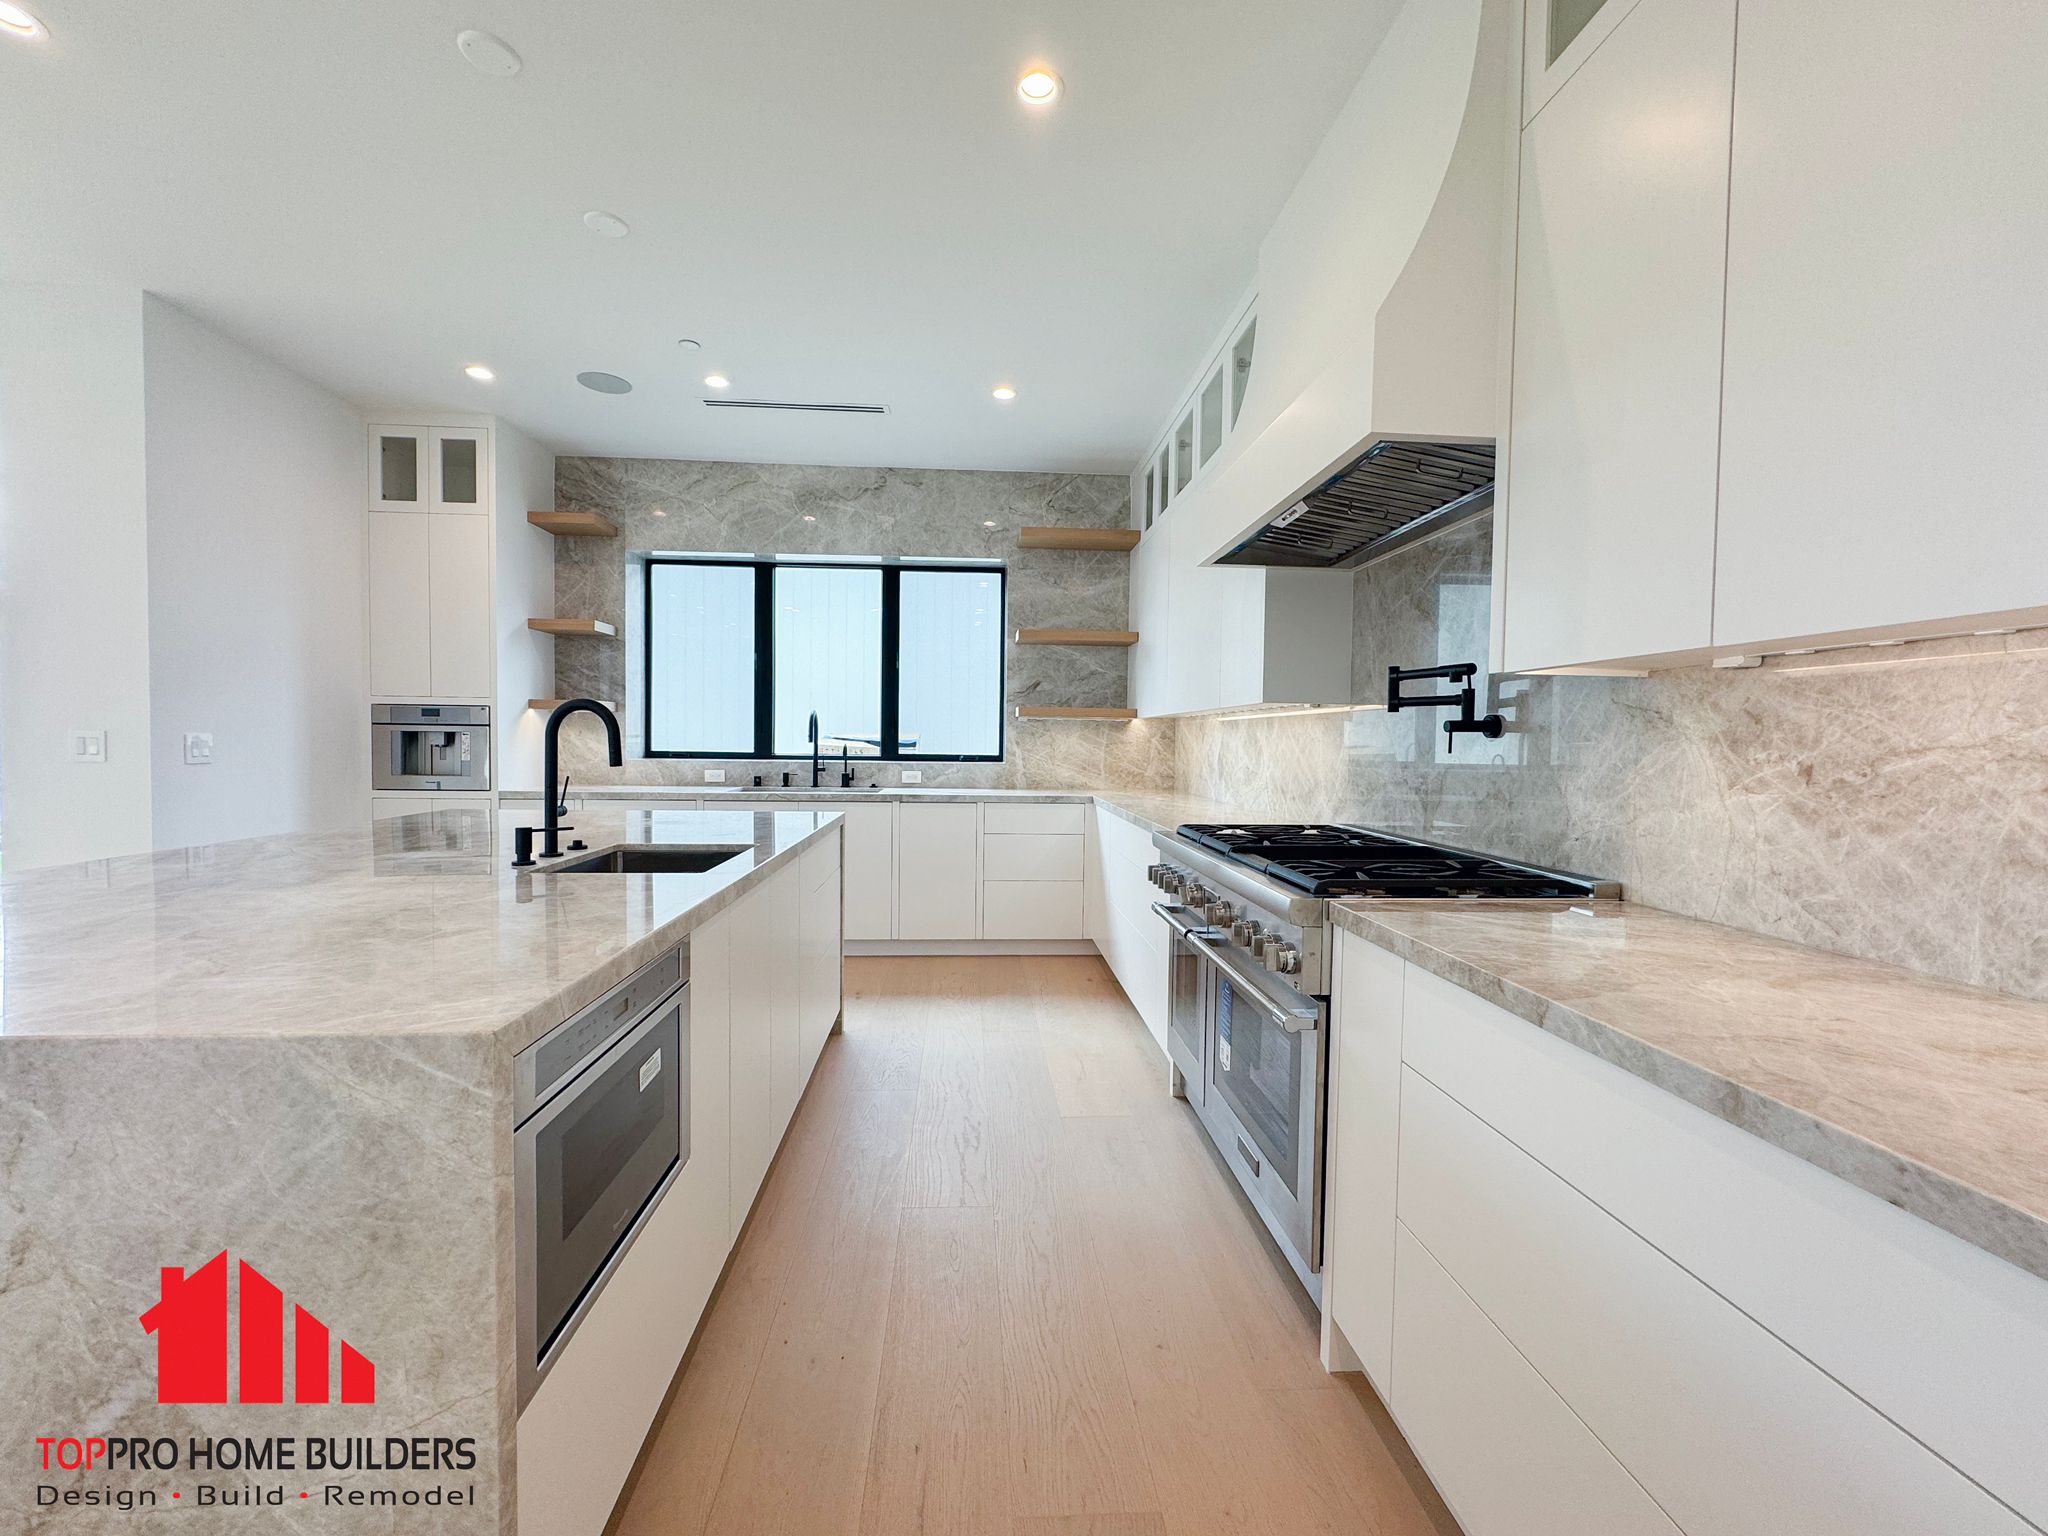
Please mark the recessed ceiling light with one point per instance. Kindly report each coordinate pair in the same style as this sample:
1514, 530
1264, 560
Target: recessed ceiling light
480, 373
610, 225
1004, 392
1038, 86
605, 383
717, 381
14, 19
690, 344
487, 55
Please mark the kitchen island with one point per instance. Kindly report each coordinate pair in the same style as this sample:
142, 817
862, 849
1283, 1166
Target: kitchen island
300, 1051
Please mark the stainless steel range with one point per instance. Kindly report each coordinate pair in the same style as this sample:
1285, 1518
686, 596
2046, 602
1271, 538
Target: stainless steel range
1249, 986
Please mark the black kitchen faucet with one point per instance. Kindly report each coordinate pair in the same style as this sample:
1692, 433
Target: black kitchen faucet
551, 808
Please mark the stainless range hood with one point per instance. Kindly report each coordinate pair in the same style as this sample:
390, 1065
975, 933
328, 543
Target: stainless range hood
1391, 495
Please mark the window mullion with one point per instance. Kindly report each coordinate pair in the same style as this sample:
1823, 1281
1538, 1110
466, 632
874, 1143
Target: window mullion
890, 745
764, 661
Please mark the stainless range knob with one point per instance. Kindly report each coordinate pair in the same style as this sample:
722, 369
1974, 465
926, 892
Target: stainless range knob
1259, 943
1244, 930
1218, 913
1284, 958
1157, 874
1170, 882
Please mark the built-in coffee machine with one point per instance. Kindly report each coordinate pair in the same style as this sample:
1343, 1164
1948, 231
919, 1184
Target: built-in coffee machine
430, 746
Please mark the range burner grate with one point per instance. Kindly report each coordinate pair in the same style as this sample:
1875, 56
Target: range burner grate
1347, 861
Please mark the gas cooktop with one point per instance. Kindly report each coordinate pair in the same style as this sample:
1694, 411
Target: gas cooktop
1337, 861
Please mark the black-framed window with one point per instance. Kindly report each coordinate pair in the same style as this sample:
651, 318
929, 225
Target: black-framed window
901, 660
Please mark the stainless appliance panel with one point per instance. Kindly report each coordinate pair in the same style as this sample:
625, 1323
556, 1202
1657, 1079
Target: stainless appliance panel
591, 1164
1187, 1010
430, 746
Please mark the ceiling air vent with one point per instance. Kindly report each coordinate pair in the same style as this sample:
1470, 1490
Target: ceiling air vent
799, 405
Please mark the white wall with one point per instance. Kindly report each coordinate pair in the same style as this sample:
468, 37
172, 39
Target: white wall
523, 481
74, 577
257, 481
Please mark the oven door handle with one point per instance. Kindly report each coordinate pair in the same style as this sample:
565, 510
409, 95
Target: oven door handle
1294, 1016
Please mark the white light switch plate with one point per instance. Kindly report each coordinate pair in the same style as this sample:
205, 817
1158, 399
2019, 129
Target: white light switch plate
89, 746
714, 775
913, 775
199, 748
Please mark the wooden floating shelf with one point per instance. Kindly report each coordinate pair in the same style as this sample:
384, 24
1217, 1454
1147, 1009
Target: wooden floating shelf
1077, 637
550, 705
565, 627
1070, 712
1120, 540
574, 525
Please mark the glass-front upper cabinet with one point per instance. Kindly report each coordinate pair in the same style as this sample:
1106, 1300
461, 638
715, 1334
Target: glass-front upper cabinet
1184, 452
1212, 416
459, 471
398, 469
1241, 368
1162, 469
1557, 37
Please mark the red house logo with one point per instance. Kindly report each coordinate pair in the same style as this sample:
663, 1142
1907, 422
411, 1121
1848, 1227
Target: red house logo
190, 1321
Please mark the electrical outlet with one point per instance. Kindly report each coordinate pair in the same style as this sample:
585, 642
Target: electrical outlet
89, 746
714, 775
199, 748
913, 775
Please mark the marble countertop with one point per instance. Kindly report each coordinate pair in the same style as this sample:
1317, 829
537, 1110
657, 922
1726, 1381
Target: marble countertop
1931, 1095
409, 926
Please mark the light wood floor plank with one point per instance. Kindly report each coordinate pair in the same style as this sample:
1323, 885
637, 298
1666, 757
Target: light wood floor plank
948, 1162
937, 1465
1150, 1523
799, 1454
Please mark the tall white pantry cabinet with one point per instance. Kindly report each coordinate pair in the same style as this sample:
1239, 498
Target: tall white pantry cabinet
430, 564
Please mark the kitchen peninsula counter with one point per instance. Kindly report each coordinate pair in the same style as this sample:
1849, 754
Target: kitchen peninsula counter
299, 1050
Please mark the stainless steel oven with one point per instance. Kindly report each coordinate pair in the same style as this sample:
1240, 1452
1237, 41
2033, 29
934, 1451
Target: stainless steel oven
430, 746
601, 1128
1255, 1078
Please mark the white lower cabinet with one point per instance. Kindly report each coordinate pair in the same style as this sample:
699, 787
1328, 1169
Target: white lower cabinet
1507, 1454
819, 944
1584, 1263
869, 852
1365, 1080
938, 854
764, 989
1130, 934
1723, 1424
1031, 909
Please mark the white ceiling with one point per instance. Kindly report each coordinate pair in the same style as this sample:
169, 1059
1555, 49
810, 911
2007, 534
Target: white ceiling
845, 201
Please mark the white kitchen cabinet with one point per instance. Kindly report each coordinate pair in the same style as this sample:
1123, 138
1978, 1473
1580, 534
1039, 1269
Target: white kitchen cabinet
779, 908
869, 854
938, 853
461, 644
755, 951
401, 644
1365, 1123
1717, 1419
1030, 856
1031, 909
1508, 1456
398, 469
1884, 461
1003, 818
459, 464
820, 949
1133, 941
1616, 391
1937, 1335
1150, 567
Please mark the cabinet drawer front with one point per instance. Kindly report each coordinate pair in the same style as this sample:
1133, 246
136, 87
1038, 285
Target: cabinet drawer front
1031, 909
1031, 857
1942, 1338
1506, 1453
997, 817
1715, 1417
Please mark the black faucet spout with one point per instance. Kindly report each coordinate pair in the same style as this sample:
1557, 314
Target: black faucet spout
551, 819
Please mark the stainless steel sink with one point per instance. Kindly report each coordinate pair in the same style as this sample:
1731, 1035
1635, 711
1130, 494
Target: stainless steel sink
646, 859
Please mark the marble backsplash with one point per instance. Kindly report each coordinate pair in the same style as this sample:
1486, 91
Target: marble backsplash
688, 506
1890, 803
